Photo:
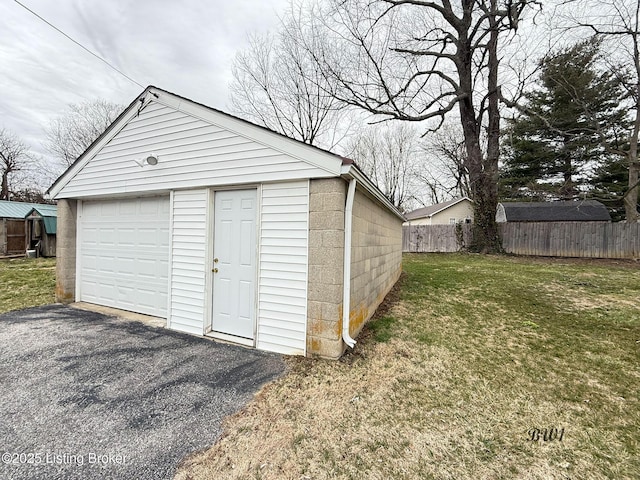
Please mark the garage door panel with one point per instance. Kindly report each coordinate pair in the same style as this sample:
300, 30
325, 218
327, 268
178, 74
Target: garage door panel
126, 236
108, 264
125, 254
149, 298
152, 208
107, 237
127, 208
149, 268
127, 267
90, 289
92, 208
163, 270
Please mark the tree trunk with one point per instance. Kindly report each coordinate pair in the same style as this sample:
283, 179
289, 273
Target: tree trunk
567, 192
631, 196
483, 172
4, 190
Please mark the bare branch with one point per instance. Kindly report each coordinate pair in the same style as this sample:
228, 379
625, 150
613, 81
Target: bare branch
68, 136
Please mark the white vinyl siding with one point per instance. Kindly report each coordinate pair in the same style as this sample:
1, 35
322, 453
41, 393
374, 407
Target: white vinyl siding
191, 153
188, 250
282, 289
124, 254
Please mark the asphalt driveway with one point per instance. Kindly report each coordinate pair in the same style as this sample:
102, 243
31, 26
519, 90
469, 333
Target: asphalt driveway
84, 395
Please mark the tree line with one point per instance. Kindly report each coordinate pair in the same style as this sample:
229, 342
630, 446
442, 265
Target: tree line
494, 99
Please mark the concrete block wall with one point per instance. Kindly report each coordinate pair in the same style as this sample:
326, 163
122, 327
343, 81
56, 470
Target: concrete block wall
376, 258
327, 199
376, 263
66, 251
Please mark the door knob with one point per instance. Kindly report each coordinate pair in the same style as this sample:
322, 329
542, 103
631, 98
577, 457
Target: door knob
214, 270
215, 260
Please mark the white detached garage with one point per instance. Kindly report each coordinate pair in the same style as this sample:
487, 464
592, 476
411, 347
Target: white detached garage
224, 228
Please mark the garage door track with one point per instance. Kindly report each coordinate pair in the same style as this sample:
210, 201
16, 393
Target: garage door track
84, 395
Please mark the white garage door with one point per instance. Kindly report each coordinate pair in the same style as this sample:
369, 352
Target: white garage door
124, 254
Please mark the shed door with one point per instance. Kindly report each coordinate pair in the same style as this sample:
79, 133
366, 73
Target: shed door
124, 253
234, 253
16, 237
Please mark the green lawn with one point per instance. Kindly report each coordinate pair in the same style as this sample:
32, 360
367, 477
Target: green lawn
452, 380
26, 283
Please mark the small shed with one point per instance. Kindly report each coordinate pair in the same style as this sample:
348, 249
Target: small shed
458, 210
226, 229
41, 229
18, 233
560, 211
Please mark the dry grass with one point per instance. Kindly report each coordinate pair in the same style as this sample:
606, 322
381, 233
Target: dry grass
26, 283
475, 352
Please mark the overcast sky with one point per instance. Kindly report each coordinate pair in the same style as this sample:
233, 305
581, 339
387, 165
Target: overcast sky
185, 46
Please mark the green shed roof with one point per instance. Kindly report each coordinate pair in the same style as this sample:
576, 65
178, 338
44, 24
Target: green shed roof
18, 210
15, 209
50, 225
46, 210
49, 214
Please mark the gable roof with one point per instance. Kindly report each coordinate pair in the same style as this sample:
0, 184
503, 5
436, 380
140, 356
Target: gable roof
49, 214
560, 211
45, 210
431, 210
296, 148
20, 210
320, 162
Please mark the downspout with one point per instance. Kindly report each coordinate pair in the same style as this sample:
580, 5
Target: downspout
346, 277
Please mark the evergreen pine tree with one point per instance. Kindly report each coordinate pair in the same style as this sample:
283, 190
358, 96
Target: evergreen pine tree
610, 182
572, 126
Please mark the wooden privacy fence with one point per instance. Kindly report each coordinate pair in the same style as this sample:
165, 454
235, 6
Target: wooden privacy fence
572, 239
551, 239
12, 236
436, 238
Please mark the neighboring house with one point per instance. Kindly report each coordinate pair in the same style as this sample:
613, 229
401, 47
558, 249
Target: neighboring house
459, 210
21, 231
561, 211
225, 229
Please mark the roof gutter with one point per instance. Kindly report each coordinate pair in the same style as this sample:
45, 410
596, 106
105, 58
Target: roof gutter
346, 271
351, 171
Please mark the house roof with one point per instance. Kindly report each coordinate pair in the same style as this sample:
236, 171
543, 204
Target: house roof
23, 209
561, 211
431, 210
295, 148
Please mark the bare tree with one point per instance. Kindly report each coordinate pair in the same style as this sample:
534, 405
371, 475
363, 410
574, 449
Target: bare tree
418, 60
13, 159
391, 156
32, 194
278, 85
446, 174
617, 22
71, 134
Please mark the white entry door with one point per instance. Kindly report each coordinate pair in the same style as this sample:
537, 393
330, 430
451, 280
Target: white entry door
234, 251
